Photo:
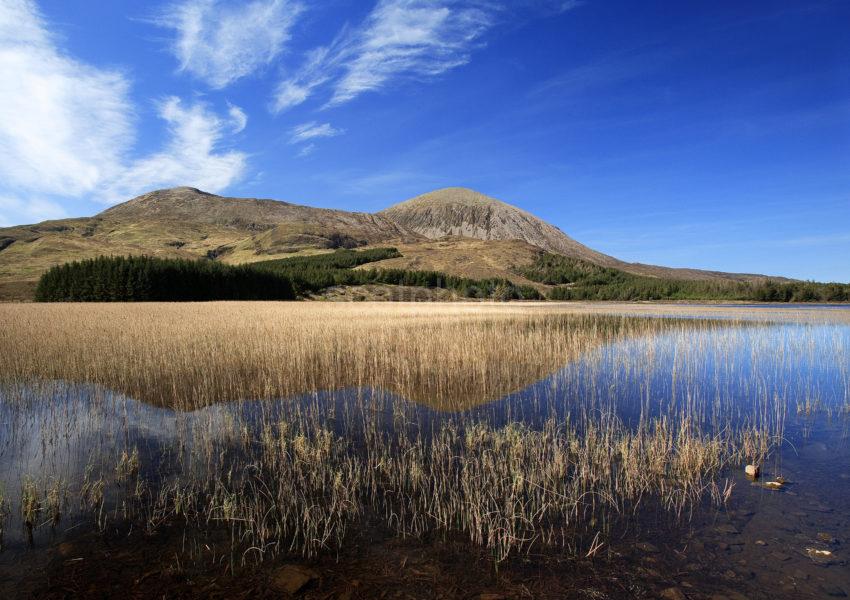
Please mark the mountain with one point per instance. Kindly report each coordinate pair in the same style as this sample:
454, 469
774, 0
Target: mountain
462, 212
185, 223
272, 226
454, 230
189, 205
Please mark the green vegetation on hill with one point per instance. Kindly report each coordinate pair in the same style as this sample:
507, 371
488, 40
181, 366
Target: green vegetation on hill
580, 280
312, 274
142, 278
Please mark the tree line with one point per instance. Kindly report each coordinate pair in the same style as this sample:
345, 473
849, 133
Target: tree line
575, 279
145, 278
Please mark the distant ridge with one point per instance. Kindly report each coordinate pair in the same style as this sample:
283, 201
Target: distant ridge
192, 205
456, 230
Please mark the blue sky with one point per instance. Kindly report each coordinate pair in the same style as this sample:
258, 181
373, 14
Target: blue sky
703, 134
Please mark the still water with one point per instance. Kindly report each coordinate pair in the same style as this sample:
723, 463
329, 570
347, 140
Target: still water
789, 379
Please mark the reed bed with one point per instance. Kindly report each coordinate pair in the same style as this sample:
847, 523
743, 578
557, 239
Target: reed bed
190, 355
289, 425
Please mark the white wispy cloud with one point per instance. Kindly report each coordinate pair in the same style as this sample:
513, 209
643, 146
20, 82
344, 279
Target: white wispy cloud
68, 129
307, 150
413, 39
549, 6
238, 118
64, 125
416, 38
318, 69
313, 130
189, 158
220, 42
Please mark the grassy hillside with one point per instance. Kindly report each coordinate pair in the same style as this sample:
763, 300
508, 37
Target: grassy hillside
465, 257
314, 274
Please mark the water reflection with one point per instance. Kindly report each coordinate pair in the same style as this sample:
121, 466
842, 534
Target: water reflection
790, 379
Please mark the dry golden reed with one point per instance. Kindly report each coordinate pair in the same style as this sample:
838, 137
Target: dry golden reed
296, 476
188, 355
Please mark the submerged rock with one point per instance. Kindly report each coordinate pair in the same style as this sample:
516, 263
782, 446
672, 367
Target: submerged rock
673, 593
727, 529
647, 547
821, 556
291, 579
729, 595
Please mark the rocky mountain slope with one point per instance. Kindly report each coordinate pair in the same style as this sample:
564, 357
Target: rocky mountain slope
455, 230
466, 213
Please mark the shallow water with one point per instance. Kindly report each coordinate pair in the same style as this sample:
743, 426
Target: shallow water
791, 378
